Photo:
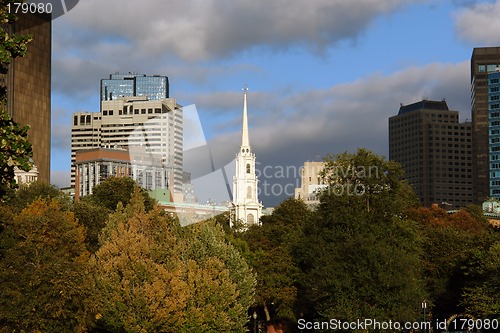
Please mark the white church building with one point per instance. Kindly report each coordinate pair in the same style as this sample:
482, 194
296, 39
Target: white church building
246, 206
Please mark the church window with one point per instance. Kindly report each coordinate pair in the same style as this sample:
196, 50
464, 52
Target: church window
249, 192
250, 219
248, 168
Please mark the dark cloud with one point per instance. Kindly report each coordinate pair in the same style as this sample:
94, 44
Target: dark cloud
195, 30
315, 123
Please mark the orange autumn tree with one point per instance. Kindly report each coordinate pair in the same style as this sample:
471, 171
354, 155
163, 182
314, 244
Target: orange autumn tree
449, 243
43, 265
154, 276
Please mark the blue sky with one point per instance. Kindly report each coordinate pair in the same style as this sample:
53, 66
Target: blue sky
324, 75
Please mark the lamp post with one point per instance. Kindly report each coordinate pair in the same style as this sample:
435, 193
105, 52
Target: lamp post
254, 322
424, 308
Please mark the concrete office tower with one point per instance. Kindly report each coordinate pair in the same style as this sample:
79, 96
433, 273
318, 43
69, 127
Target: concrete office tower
435, 151
28, 86
155, 87
246, 205
310, 183
156, 125
484, 60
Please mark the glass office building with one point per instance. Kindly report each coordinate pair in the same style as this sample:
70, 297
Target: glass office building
155, 87
494, 132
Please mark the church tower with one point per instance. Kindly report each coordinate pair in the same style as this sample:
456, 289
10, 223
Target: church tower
246, 205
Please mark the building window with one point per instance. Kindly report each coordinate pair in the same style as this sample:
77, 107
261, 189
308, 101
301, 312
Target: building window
248, 168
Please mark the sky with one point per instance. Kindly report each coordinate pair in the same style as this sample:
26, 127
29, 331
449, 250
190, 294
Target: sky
324, 76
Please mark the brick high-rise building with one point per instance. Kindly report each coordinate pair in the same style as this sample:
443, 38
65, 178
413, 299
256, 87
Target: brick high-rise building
28, 83
435, 151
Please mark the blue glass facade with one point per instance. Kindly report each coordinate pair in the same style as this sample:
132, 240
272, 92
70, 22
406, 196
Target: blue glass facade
155, 87
494, 132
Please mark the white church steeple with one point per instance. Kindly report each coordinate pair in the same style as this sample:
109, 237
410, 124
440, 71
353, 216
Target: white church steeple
246, 205
245, 140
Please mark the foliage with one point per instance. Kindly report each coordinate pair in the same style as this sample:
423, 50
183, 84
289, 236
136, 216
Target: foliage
117, 189
370, 177
43, 270
93, 217
154, 276
15, 149
482, 298
272, 257
223, 285
449, 242
28, 193
359, 257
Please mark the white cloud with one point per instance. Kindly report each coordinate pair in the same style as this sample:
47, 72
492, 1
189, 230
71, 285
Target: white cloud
479, 23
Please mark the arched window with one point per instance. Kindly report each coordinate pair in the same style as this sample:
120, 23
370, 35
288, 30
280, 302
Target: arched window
249, 192
250, 219
248, 168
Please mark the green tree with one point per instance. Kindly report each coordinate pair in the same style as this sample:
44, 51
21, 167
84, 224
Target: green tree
223, 285
15, 149
28, 193
482, 298
43, 270
359, 256
271, 257
93, 217
117, 189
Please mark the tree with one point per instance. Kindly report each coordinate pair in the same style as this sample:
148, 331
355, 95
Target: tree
28, 193
154, 276
117, 189
359, 256
138, 272
223, 285
43, 270
93, 217
271, 257
452, 245
481, 298
15, 149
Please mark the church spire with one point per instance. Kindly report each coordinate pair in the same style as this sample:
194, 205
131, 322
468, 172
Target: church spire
245, 140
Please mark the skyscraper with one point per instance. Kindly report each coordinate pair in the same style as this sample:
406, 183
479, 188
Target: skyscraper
494, 133
155, 87
28, 86
155, 125
484, 61
246, 205
435, 151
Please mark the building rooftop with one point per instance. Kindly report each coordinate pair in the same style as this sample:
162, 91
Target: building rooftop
424, 104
